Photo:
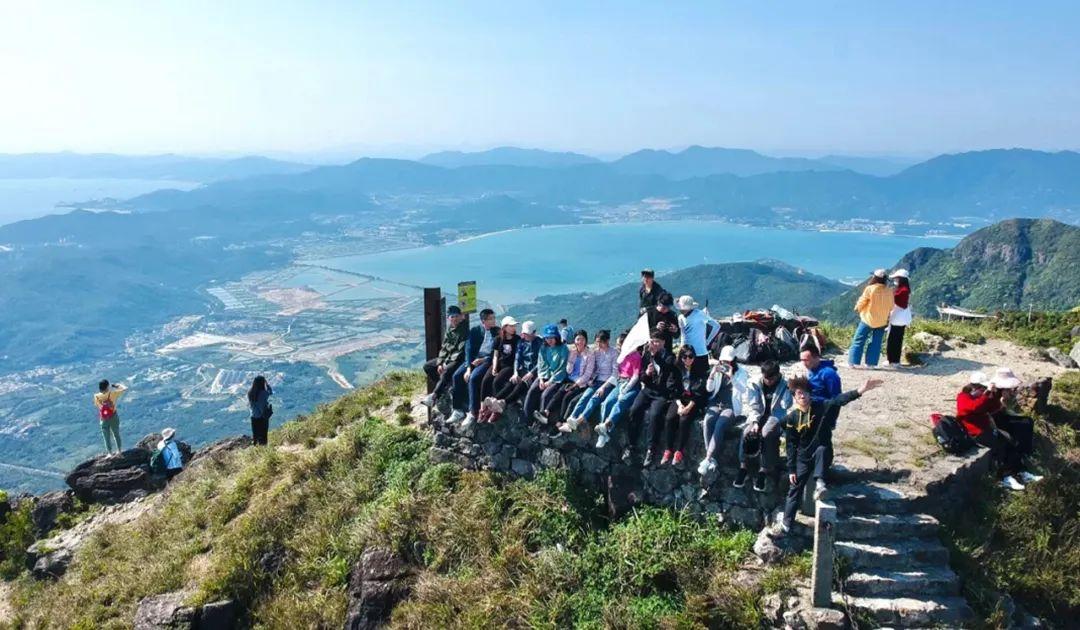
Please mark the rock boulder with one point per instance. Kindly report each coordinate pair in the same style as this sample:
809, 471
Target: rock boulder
165, 612
48, 507
1059, 357
1074, 354
378, 581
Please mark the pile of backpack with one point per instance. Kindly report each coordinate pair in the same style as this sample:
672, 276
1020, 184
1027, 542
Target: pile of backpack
774, 334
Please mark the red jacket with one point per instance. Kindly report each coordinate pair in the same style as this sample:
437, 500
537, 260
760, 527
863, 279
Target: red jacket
973, 412
901, 295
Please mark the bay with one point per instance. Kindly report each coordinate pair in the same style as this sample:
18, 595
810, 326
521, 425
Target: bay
519, 265
32, 198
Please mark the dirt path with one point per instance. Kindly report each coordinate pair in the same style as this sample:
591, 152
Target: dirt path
890, 427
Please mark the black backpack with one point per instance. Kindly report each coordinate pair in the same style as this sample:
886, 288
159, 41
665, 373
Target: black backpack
950, 434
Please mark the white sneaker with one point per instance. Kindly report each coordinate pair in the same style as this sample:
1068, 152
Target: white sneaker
1010, 483
819, 489
428, 401
565, 427
457, 416
470, 420
574, 423
1027, 477
703, 467
779, 528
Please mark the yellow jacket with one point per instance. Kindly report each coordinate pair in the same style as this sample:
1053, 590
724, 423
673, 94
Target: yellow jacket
874, 305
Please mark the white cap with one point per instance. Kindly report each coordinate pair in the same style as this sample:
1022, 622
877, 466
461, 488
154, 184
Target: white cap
1005, 378
167, 433
979, 378
899, 273
880, 273
529, 327
727, 353
508, 321
685, 303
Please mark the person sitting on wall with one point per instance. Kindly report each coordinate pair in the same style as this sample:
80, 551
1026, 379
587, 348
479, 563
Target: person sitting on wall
768, 401
441, 369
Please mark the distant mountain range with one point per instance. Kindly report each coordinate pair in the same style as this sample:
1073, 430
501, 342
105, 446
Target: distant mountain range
168, 166
1010, 265
726, 288
508, 156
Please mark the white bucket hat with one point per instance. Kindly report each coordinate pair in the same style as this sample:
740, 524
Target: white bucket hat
899, 273
979, 378
880, 273
685, 303
727, 353
1005, 378
508, 321
529, 327
167, 433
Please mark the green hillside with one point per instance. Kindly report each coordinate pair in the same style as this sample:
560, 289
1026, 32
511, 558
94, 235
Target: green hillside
729, 288
1010, 265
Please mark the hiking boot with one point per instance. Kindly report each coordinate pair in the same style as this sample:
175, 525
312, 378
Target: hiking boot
761, 483
457, 416
666, 457
676, 459
1010, 483
648, 458
428, 401
1027, 477
740, 479
819, 489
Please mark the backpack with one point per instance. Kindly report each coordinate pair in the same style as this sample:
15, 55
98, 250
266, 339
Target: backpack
950, 434
157, 461
107, 409
786, 345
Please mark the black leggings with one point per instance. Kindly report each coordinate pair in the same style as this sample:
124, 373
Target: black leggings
807, 464
647, 407
494, 382
259, 428
1009, 453
895, 343
675, 427
442, 381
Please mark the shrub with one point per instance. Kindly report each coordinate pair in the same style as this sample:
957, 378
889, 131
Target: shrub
16, 534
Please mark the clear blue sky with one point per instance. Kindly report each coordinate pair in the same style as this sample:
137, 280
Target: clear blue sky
404, 77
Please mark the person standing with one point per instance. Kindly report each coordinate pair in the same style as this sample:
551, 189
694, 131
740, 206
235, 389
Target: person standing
874, 307
259, 402
441, 369
108, 417
697, 330
479, 346
900, 318
649, 292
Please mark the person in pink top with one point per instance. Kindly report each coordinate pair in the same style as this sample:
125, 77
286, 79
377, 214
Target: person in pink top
618, 401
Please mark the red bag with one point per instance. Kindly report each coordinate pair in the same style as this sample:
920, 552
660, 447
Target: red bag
107, 409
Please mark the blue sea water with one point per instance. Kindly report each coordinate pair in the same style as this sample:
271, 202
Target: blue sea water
519, 265
31, 198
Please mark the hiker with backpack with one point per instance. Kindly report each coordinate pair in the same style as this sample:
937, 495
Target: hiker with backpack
649, 292
658, 389
697, 330
808, 435
727, 388
166, 458
874, 307
768, 400
900, 318
258, 397
442, 368
108, 417
627, 383
981, 412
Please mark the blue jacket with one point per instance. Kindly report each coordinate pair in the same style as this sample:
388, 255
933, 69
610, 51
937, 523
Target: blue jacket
170, 452
475, 340
824, 382
526, 356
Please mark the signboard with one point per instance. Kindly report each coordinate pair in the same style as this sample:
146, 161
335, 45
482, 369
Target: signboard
466, 296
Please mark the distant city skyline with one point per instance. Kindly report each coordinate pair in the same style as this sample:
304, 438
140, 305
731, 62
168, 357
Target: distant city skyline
339, 80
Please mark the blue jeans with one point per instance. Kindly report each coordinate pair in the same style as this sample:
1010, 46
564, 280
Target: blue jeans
618, 402
588, 403
858, 342
468, 394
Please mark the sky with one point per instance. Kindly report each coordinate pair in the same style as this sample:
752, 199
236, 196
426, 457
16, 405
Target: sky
402, 78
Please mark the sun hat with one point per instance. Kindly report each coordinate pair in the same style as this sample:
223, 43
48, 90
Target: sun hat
1005, 378
899, 273
167, 433
528, 327
880, 273
551, 330
685, 303
727, 353
979, 378
508, 321
453, 310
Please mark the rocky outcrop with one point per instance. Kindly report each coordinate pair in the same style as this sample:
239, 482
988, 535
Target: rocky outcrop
169, 612
1057, 356
48, 507
521, 449
1074, 354
378, 581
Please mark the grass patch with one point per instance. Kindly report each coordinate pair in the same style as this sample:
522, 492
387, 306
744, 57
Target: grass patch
16, 534
279, 530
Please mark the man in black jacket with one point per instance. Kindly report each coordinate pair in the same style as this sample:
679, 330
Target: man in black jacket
649, 292
441, 369
808, 434
664, 320
659, 386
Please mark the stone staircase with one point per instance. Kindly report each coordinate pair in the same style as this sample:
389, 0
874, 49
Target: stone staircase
897, 570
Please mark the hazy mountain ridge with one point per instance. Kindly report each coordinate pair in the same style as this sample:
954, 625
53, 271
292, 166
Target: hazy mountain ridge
508, 156
166, 166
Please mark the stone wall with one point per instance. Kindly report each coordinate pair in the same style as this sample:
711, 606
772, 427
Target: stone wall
522, 449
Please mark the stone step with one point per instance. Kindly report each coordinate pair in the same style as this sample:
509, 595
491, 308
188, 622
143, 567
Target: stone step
856, 472
886, 526
914, 582
904, 612
893, 554
870, 498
